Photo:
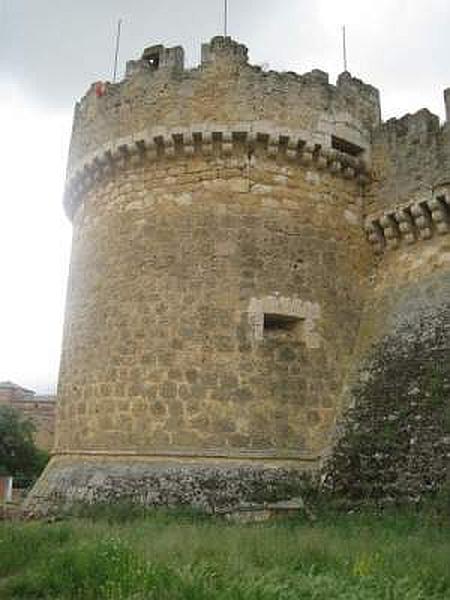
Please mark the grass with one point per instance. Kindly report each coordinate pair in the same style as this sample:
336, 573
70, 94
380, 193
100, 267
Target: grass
120, 554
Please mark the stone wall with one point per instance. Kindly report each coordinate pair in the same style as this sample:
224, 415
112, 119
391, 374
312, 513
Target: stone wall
393, 444
41, 412
173, 263
207, 485
411, 160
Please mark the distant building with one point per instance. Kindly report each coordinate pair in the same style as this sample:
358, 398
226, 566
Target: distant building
40, 410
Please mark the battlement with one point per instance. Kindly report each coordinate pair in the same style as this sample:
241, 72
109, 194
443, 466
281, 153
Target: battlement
416, 127
158, 91
411, 156
224, 48
157, 58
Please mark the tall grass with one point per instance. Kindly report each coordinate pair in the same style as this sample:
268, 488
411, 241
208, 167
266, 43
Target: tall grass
158, 556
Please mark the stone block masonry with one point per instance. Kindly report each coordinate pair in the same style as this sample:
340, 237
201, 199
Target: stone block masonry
222, 279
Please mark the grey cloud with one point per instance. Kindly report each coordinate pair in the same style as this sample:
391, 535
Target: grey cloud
56, 48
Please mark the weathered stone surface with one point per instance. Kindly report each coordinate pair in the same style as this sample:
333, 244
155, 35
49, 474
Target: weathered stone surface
393, 442
224, 303
214, 486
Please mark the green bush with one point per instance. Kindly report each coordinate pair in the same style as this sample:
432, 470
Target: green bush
19, 455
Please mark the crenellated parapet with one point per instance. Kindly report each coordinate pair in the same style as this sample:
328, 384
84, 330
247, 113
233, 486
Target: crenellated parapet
227, 107
157, 58
224, 89
224, 48
408, 199
410, 157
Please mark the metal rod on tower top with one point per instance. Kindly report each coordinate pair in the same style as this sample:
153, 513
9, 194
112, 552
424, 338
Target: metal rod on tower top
116, 55
344, 47
225, 19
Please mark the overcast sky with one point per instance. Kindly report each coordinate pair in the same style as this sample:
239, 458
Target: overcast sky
50, 52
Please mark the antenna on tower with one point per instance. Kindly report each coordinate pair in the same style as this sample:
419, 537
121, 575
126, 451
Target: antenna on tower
344, 47
225, 18
116, 54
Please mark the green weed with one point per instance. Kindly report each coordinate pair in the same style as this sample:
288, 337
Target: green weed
385, 556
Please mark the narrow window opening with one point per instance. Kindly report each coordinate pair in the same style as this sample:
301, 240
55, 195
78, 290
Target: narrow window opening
345, 146
153, 61
274, 323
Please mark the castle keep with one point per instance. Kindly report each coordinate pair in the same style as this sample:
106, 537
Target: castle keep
258, 288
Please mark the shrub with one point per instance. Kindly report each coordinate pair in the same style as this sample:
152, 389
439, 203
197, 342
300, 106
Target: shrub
19, 455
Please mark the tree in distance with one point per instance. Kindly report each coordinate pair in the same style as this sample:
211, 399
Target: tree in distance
19, 455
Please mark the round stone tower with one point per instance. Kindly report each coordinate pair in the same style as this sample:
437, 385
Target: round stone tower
216, 280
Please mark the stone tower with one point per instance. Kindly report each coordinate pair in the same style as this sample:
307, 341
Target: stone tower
220, 274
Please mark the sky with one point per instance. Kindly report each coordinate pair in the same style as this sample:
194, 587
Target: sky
52, 50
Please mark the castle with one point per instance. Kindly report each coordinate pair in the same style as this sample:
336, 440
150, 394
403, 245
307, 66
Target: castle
259, 289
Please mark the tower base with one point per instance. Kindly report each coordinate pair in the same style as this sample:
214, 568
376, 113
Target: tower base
206, 485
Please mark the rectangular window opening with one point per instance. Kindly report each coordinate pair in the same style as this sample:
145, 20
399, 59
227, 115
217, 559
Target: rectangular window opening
278, 323
345, 146
153, 61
